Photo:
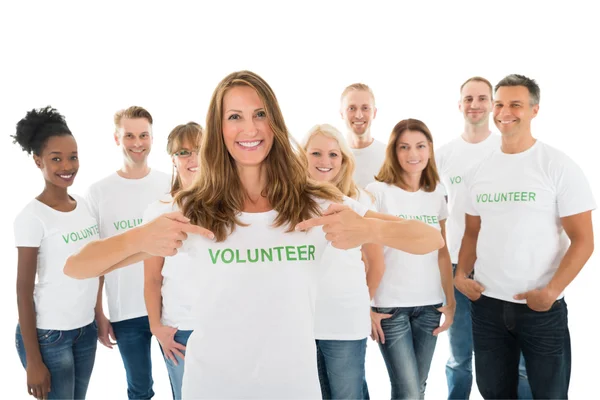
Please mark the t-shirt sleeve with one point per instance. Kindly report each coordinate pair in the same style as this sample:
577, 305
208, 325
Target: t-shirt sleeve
467, 199
573, 192
443, 213
91, 199
372, 189
155, 210
360, 209
29, 230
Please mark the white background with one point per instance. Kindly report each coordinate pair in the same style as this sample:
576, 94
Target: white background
90, 59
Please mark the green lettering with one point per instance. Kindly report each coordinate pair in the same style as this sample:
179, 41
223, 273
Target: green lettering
123, 224
531, 196
250, 255
237, 257
266, 253
523, 196
434, 219
302, 253
279, 252
227, 251
504, 197
517, 196
116, 224
479, 198
311, 252
290, 252
65, 238
214, 257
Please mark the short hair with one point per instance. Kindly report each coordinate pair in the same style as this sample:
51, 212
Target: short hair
132, 112
521, 80
357, 86
478, 79
37, 127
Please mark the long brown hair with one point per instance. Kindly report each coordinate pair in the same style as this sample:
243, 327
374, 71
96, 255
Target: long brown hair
217, 195
391, 171
186, 133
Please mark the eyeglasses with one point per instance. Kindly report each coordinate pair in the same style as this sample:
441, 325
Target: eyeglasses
184, 153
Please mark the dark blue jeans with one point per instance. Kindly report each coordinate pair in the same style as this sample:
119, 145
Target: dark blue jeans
341, 366
408, 348
502, 330
459, 368
69, 357
134, 342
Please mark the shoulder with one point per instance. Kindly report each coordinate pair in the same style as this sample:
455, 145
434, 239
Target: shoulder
377, 187
31, 213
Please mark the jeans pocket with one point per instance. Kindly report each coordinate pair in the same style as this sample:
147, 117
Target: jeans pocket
49, 337
436, 306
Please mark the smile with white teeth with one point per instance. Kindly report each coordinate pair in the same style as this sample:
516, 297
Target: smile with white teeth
194, 169
506, 122
250, 144
137, 151
324, 169
414, 162
69, 176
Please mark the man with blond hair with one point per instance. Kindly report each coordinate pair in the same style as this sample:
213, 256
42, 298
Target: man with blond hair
358, 112
118, 202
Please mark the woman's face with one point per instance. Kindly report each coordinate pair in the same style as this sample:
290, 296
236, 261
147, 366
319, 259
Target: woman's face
324, 158
59, 162
246, 130
186, 163
413, 151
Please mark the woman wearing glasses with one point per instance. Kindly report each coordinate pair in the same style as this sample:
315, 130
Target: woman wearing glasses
166, 282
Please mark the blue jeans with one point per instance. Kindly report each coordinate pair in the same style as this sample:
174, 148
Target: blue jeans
69, 357
134, 342
341, 366
176, 371
459, 368
502, 330
408, 348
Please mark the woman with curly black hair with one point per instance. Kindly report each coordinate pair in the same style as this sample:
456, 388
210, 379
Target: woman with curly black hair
56, 336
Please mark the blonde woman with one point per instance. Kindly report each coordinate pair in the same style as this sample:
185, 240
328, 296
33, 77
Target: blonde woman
256, 280
408, 301
168, 283
342, 316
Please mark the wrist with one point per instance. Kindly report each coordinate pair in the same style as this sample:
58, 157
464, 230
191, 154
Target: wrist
552, 292
133, 240
375, 228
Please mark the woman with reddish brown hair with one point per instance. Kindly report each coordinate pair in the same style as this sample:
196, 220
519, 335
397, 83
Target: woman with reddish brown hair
408, 302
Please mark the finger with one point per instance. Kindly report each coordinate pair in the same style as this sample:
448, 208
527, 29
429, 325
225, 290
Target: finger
170, 355
177, 216
178, 346
311, 223
335, 208
198, 230
111, 334
30, 390
178, 354
386, 316
374, 335
521, 296
181, 235
380, 334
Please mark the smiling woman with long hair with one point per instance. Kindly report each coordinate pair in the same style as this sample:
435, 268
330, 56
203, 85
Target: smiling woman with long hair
256, 280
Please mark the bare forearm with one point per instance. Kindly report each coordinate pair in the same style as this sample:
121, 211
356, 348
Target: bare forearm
27, 324
467, 256
572, 263
410, 236
153, 299
98, 257
445, 265
99, 309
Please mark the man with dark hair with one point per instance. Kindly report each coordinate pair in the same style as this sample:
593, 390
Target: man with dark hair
528, 233
453, 160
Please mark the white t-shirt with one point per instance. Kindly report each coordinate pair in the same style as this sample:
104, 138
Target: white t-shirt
254, 312
343, 303
179, 283
118, 204
61, 302
368, 162
453, 161
520, 199
410, 280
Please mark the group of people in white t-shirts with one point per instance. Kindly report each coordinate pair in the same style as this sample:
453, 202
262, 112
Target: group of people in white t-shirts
262, 265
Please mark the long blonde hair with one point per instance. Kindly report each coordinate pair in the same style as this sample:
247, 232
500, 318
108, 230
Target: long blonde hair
391, 170
181, 134
217, 196
344, 180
